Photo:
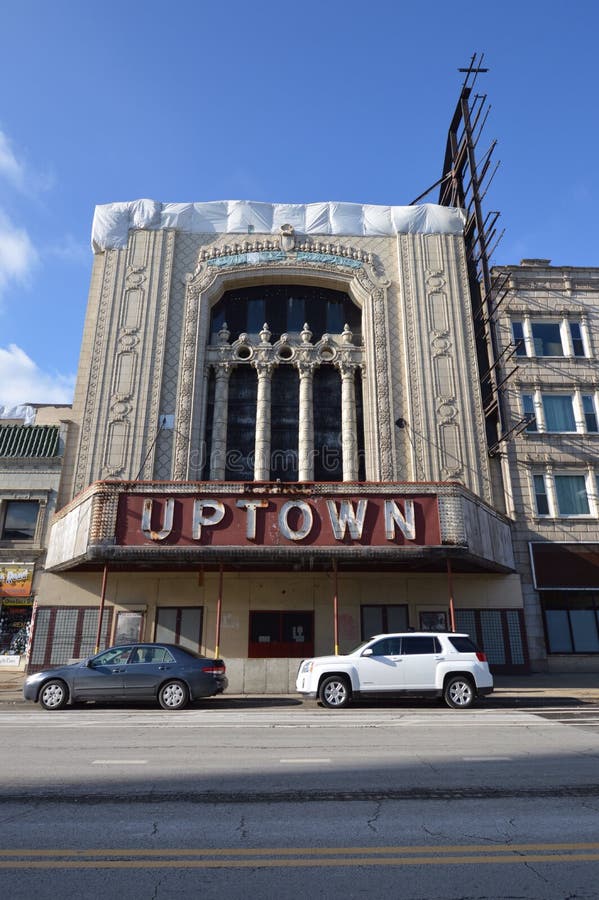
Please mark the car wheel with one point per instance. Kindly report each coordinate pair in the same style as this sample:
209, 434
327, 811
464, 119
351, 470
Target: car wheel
173, 695
334, 692
54, 695
459, 692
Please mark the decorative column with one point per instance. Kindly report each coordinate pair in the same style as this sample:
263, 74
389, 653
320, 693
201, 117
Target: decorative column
349, 441
262, 445
566, 336
528, 338
579, 415
551, 492
537, 400
305, 442
218, 452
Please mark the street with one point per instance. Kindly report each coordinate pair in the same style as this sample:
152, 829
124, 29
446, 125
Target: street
277, 798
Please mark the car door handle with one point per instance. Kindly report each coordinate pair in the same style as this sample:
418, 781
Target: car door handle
396, 658
440, 658
116, 671
163, 668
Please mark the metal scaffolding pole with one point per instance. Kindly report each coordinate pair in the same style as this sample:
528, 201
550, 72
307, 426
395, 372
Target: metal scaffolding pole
101, 610
219, 606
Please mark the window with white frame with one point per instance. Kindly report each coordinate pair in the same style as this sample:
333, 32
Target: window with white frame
589, 411
549, 337
541, 496
564, 494
560, 413
571, 495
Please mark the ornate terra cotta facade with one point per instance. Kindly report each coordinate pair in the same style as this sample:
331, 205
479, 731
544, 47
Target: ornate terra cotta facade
329, 373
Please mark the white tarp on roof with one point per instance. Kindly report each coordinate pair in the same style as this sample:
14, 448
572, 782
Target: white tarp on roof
112, 221
24, 412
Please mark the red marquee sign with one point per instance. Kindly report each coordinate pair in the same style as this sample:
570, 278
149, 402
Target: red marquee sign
234, 520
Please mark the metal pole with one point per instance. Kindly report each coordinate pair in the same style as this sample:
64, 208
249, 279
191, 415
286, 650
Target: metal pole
450, 587
101, 612
219, 605
335, 608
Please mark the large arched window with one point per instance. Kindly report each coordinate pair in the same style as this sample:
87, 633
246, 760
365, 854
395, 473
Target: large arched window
284, 390
285, 307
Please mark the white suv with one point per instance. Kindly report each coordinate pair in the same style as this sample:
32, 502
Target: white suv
429, 664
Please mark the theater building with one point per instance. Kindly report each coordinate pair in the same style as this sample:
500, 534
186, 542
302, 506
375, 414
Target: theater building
279, 443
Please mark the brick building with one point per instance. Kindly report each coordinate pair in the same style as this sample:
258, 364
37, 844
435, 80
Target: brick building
549, 317
32, 441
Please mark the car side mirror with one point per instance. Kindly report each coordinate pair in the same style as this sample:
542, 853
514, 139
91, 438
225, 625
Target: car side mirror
90, 663
367, 652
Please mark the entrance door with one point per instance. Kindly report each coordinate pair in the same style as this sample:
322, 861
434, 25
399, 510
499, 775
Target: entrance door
180, 625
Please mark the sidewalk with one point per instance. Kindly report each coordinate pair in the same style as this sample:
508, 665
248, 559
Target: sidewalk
521, 691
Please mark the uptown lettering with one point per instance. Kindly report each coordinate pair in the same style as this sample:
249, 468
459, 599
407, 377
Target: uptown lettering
295, 519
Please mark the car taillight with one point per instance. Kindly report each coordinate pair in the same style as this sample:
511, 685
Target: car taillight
481, 656
214, 670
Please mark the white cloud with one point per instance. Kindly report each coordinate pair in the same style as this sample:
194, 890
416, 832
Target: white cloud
17, 254
22, 381
27, 181
70, 250
10, 167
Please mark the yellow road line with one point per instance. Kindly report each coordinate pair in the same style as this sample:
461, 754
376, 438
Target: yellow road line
303, 851
296, 863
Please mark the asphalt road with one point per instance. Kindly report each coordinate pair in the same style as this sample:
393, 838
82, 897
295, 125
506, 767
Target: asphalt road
290, 801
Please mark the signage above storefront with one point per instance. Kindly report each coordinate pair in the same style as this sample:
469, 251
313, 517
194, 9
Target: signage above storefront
273, 521
566, 566
16, 579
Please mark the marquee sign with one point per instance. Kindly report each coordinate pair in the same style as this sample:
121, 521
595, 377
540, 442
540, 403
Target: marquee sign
276, 521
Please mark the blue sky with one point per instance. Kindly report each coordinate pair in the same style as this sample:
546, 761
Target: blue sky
273, 101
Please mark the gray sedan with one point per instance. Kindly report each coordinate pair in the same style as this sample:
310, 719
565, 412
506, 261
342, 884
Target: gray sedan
167, 673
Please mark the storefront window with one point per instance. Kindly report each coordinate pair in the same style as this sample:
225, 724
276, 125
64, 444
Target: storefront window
281, 633
61, 634
571, 621
180, 625
14, 628
383, 619
129, 627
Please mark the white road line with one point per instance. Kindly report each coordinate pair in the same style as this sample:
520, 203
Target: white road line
119, 762
487, 758
305, 760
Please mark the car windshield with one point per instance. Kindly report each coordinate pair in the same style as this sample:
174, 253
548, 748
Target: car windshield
359, 647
